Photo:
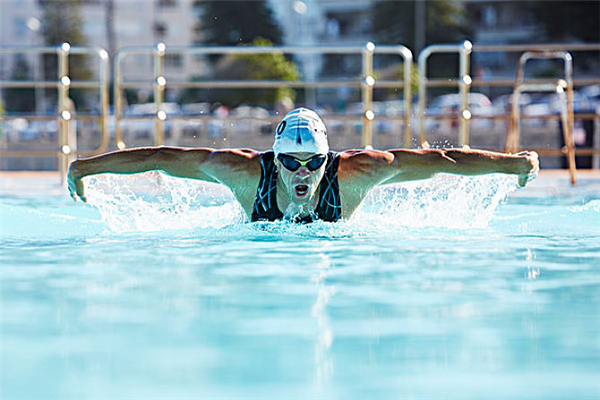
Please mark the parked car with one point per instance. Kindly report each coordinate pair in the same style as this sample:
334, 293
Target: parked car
390, 108
450, 105
203, 108
191, 127
249, 123
144, 127
21, 130
580, 102
593, 94
549, 105
503, 104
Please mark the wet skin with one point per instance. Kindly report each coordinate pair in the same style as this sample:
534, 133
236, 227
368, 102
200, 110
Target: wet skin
358, 172
297, 191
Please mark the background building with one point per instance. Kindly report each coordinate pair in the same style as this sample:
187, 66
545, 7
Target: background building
114, 24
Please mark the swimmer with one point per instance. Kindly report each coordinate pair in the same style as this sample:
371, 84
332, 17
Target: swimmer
301, 180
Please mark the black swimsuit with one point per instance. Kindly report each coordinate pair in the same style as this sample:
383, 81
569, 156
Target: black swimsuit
328, 209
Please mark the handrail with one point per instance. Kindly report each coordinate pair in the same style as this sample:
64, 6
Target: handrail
366, 82
464, 50
465, 81
159, 83
537, 47
566, 102
67, 145
407, 58
367, 94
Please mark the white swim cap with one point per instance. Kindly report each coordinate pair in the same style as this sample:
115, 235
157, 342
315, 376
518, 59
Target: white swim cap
301, 131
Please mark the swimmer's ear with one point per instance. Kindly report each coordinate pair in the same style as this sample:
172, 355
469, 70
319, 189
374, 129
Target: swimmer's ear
277, 163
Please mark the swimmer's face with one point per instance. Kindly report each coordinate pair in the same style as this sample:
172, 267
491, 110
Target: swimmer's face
301, 174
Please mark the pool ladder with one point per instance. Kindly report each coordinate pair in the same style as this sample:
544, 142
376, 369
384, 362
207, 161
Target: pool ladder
564, 89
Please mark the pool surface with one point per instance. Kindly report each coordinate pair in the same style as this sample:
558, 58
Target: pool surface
454, 288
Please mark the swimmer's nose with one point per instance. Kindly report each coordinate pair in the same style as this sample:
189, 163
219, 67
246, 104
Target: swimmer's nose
303, 171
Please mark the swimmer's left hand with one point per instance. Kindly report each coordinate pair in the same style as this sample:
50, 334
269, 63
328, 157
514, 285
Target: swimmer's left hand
534, 167
75, 183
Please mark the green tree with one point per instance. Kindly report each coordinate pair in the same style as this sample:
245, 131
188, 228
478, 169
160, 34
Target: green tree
244, 67
234, 22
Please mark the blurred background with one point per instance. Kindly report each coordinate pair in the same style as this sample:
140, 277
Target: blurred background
179, 104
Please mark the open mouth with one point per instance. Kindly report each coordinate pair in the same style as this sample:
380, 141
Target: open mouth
301, 190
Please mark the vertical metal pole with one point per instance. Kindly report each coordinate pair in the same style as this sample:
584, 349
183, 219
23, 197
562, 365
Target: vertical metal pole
464, 84
118, 101
407, 94
422, 94
104, 82
159, 85
512, 136
564, 117
367, 95
64, 112
513, 122
569, 140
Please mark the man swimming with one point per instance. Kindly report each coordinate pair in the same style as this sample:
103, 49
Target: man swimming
300, 179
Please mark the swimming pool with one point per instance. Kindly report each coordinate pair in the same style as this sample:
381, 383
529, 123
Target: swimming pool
434, 290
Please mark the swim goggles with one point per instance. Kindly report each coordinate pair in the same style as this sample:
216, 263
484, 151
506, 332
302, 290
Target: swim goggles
292, 163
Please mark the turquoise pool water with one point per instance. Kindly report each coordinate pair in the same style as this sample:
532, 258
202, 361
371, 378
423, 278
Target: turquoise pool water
436, 290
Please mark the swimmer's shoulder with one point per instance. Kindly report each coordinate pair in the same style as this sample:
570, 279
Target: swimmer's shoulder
234, 157
364, 163
234, 164
239, 170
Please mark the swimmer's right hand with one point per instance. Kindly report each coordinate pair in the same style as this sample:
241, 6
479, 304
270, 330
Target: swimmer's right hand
533, 164
76, 189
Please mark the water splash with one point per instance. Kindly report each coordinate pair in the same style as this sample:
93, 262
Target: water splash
155, 202
446, 201
592, 206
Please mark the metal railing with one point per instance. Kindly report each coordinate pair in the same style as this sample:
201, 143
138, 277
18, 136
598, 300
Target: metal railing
67, 148
159, 83
366, 82
566, 102
465, 82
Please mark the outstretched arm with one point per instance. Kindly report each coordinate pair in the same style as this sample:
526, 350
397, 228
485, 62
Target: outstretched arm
422, 164
204, 164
